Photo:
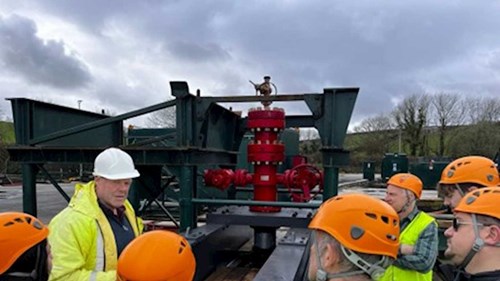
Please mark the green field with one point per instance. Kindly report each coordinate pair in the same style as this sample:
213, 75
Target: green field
7, 135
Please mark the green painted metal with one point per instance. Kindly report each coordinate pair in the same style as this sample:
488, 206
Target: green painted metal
29, 188
141, 156
369, 170
254, 203
115, 122
331, 182
35, 121
184, 104
393, 163
218, 127
147, 186
332, 112
54, 183
187, 187
429, 172
206, 134
243, 153
291, 139
299, 121
202, 123
164, 137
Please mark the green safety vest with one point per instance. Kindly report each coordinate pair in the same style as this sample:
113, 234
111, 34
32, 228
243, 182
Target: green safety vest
410, 236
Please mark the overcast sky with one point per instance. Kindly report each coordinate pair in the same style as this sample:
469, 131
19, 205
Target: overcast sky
120, 55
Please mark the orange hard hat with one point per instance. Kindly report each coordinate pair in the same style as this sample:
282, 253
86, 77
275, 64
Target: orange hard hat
361, 223
18, 233
407, 181
471, 169
483, 201
157, 256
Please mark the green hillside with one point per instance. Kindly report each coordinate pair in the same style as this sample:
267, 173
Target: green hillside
7, 135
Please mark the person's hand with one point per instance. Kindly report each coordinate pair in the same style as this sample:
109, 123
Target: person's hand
406, 249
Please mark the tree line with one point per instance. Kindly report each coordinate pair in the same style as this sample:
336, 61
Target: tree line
438, 126
431, 126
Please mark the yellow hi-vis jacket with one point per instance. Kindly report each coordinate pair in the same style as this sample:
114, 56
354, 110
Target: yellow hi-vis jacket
82, 242
409, 236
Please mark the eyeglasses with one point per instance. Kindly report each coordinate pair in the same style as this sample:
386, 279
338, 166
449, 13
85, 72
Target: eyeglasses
457, 223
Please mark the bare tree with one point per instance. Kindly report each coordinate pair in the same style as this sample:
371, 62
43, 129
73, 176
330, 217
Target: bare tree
375, 135
381, 122
309, 134
448, 111
164, 118
310, 144
480, 109
482, 138
411, 117
491, 109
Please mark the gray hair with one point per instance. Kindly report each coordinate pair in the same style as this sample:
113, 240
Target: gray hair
344, 263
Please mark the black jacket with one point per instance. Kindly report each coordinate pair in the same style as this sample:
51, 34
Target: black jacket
449, 273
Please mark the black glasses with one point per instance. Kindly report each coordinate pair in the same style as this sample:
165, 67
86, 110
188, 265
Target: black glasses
457, 224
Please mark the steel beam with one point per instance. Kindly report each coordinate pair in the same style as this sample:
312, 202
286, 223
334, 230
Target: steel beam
29, 188
254, 203
141, 156
234, 215
289, 260
100, 123
212, 244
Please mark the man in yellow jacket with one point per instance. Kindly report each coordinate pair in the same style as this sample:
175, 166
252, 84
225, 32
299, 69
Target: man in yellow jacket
419, 234
88, 236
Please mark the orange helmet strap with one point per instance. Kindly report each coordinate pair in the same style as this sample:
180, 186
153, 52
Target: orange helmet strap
476, 247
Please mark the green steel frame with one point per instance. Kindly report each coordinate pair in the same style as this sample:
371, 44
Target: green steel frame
206, 134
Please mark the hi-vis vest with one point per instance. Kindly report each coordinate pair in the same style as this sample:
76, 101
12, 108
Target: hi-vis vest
409, 236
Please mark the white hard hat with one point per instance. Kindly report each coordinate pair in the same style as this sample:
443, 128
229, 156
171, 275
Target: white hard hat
114, 164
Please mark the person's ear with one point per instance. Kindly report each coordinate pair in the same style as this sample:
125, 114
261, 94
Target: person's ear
329, 257
493, 235
98, 180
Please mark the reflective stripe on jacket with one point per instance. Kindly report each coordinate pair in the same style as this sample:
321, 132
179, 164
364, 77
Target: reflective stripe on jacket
82, 241
409, 236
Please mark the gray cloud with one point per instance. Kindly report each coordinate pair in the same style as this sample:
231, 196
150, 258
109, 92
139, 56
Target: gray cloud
389, 49
36, 60
193, 51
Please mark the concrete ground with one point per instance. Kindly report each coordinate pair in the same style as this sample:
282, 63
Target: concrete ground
49, 201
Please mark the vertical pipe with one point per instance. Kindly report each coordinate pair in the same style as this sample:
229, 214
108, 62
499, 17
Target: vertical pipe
331, 178
187, 183
335, 180
29, 188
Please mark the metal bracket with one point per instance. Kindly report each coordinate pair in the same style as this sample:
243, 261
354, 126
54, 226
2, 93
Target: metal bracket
295, 237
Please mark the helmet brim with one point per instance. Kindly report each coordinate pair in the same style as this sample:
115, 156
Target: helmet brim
131, 175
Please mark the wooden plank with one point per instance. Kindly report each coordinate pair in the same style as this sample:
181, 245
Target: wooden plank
219, 274
233, 274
